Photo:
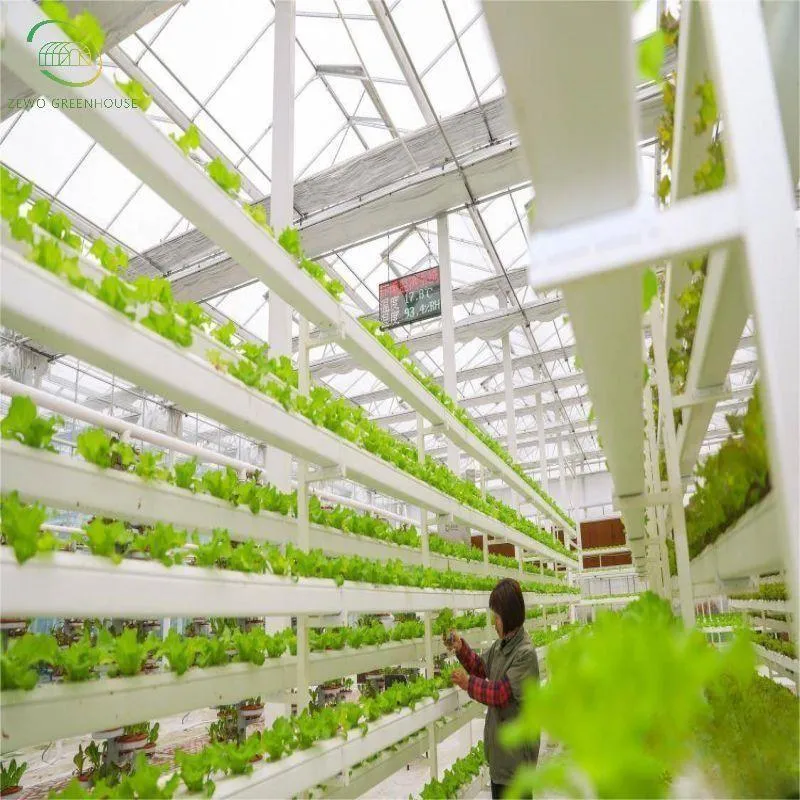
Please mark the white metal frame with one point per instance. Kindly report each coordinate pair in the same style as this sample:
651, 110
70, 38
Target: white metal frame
594, 234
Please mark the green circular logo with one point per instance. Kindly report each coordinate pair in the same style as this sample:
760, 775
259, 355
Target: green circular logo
69, 56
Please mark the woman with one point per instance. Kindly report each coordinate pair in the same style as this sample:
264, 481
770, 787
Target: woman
495, 679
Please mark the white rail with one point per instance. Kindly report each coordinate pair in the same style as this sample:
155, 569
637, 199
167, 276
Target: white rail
77, 585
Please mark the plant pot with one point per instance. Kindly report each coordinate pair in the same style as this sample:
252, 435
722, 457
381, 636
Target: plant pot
130, 742
149, 749
83, 777
11, 791
251, 713
13, 624
109, 733
255, 758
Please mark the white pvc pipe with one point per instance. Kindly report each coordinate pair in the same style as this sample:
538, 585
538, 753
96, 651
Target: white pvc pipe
48, 526
358, 505
120, 426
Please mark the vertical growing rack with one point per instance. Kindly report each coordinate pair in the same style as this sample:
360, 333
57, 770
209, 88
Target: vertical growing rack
69, 321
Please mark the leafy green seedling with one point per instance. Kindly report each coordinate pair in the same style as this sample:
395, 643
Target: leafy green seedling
126, 653
189, 140
179, 651
23, 424
136, 92
227, 179
19, 665
107, 539
21, 527
78, 661
184, 474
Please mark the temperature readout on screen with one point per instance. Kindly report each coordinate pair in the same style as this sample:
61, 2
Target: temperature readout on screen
410, 299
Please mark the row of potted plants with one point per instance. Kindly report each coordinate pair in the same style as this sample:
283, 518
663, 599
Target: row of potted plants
22, 530
23, 424
98, 653
197, 771
252, 366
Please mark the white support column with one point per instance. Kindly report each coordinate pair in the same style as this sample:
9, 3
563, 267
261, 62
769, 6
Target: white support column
303, 525
542, 442
508, 392
427, 616
302, 663
28, 367
423, 512
562, 480
652, 549
448, 327
756, 156
656, 514
282, 200
562, 477
673, 464
273, 624
303, 386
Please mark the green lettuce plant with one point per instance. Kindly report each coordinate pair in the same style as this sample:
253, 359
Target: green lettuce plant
749, 715
622, 737
21, 528
24, 425
20, 663
730, 481
460, 774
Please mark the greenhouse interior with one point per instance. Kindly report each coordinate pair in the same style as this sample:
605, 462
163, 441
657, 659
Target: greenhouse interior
399, 398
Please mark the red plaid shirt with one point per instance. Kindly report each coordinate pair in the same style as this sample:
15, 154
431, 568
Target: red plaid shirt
490, 693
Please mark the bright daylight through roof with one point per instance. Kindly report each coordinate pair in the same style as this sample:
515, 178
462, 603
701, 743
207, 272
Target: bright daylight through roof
399, 398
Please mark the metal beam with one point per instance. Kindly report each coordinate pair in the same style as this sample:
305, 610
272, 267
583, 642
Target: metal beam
490, 326
407, 180
279, 336
173, 111
488, 371
739, 396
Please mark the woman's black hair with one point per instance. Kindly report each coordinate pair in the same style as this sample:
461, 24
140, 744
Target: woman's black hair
507, 602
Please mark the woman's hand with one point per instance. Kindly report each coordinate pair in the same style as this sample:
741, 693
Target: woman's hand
460, 678
452, 641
